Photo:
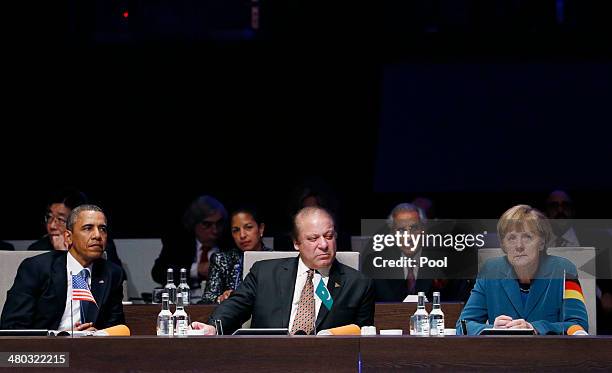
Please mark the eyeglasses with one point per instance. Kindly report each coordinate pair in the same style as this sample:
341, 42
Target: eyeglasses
557, 204
49, 218
410, 229
208, 224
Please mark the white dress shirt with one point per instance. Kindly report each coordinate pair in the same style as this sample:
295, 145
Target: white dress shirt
74, 267
300, 281
193, 271
415, 269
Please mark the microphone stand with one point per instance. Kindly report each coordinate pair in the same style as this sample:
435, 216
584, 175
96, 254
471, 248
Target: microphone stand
563, 304
71, 312
314, 306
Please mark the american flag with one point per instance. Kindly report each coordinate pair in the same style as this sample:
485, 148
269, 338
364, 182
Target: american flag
80, 290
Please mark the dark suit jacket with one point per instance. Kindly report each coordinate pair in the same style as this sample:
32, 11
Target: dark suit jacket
38, 296
390, 284
6, 246
267, 293
178, 251
44, 244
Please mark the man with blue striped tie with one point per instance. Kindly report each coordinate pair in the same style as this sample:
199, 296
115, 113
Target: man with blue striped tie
62, 290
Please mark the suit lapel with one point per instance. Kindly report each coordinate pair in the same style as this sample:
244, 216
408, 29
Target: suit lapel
539, 286
287, 275
100, 282
510, 286
59, 279
514, 294
335, 277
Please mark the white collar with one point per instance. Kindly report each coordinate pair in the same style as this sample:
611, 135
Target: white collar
74, 266
302, 268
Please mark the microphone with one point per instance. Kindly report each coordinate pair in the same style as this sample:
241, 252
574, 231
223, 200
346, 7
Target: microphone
576, 330
114, 331
71, 312
350, 329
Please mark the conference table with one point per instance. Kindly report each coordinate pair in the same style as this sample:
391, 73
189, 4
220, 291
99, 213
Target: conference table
144, 352
141, 318
317, 353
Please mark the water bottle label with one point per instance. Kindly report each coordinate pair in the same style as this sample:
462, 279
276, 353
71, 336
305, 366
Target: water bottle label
437, 327
181, 327
423, 327
164, 327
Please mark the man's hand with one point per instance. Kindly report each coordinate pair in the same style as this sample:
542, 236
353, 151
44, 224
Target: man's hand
58, 242
209, 329
88, 326
224, 296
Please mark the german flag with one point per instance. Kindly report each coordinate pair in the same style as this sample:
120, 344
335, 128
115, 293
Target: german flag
573, 290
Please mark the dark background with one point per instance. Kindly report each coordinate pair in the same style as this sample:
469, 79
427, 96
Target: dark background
485, 100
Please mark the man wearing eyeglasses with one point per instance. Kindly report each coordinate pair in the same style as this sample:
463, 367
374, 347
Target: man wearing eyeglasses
75, 289
192, 245
59, 206
392, 283
58, 210
571, 232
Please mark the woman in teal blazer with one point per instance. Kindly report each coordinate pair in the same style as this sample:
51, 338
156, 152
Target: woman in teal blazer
524, 289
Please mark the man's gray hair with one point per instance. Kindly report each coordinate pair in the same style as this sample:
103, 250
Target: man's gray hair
77, 210
201, 208
408, 207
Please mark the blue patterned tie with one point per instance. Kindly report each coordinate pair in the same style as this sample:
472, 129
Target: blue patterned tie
84, 304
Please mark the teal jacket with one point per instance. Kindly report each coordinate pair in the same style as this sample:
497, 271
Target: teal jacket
497, 292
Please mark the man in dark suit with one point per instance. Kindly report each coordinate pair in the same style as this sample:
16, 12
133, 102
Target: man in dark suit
40, 296
59, 205
571, 232
393, 284
280, 293
192, 246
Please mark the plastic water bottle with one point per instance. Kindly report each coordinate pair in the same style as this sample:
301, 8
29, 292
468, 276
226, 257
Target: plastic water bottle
164, 318
421, 317
436, 317
180, 319
183, 288
170, 288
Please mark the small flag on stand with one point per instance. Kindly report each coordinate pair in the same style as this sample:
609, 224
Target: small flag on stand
324, 295
80, 290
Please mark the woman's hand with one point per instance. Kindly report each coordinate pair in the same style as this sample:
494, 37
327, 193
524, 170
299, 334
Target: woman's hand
502, 321
519, 324
224, 296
